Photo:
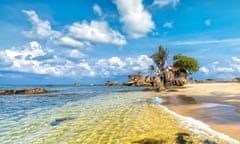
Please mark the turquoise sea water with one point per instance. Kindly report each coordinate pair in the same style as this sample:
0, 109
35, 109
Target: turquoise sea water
96, 115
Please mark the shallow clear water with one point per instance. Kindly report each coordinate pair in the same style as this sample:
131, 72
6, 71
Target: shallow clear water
98, 115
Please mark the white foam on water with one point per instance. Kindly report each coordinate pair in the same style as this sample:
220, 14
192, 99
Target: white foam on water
200, 128
158, 100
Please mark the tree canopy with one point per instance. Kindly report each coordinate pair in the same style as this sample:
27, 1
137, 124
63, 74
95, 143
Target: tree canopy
187, 63
237, 78
160, 57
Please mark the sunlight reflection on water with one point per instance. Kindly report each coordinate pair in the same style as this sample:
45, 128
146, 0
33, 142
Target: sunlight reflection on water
113, 118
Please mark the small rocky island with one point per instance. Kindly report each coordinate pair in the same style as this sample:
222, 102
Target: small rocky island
26, 91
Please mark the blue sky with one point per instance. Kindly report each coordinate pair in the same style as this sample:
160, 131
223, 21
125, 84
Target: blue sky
62, 42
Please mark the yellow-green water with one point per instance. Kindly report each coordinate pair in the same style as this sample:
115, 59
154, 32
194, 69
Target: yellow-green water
120, 118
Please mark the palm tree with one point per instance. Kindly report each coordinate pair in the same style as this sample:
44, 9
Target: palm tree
151, 69
160, 57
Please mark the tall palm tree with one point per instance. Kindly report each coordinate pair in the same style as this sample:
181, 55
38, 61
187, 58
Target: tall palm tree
152, 69
160, 57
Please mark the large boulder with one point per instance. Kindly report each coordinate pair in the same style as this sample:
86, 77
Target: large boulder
148, 81
129, 83
114, 84
140, 82
156, 81
107, 83
180, 81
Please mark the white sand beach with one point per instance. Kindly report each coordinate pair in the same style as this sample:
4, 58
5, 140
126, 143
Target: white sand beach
216, 104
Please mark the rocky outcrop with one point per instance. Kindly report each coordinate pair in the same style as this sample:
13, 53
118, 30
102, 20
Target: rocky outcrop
179, 81
76, 84
140, 80
26, 91
108, 83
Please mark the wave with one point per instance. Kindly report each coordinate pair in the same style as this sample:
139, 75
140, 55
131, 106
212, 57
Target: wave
195, 126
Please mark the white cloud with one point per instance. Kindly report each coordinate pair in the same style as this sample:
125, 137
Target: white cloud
96, 31
30, 51
137, 22
97, 10
164, 3
75, 54
204, 70
225, 69
236, 59
207, 22
168, 25
5, 61
40, 29
86, 69
25, 59
236, 67
140, 63
32, 58
78, 35
68, 41
117, 66
211, 41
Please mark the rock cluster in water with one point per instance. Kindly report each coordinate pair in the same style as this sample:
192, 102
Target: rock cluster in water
108, 83
140, 80
26, 91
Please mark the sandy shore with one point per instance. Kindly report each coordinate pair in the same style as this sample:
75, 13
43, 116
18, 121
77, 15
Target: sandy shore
216, 104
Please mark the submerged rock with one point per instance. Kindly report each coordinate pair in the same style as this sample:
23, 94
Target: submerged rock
149, 141
149, 89
7, 92
26, 91
76, 84
60, 120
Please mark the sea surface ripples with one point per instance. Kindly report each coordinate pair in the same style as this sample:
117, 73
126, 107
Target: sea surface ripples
99, 116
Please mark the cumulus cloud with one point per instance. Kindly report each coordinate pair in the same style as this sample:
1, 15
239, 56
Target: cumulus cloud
204, 70
118, 66
97, 10
40, 28
236, 59
221, 70
96, 31
137, 21
25, 59
168, 25
70, 63
75, 54
225, 69
164, 3
68, 41
77, 35
5, 61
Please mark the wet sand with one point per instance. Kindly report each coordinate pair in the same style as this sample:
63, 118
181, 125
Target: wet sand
216, 104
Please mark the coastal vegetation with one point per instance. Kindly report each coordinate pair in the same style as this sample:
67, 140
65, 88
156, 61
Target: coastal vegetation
182, 66
160, 57
186, 63
161, 75
237, 78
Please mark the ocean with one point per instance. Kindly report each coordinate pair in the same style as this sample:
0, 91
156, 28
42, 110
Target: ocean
97, 115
